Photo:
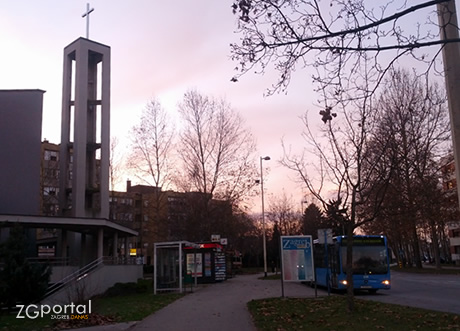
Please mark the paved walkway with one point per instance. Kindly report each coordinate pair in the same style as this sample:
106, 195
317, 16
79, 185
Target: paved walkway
220, 306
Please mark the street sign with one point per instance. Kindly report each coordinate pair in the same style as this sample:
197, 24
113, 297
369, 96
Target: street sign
325, 236
297, 258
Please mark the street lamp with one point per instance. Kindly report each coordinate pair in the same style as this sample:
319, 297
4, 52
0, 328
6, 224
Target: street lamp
302, 214
266, 158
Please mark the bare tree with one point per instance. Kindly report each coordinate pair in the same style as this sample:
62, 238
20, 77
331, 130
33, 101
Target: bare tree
116, 163
342, 169
414, 116
342, 40
282, 212
151, 160
151, 143
333, 36
217, 151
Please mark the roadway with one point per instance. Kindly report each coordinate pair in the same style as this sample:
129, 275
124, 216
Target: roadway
429, 291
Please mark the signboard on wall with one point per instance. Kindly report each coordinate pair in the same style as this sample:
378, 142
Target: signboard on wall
207, 265
325, 236
191, 265
215, 238
297, 258
220, 266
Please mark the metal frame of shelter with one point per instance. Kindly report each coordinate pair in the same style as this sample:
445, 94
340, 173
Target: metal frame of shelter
159, 263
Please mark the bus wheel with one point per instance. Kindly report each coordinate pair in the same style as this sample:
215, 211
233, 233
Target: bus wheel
373, 291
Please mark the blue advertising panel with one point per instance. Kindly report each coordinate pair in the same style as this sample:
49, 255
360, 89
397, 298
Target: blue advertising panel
297, 258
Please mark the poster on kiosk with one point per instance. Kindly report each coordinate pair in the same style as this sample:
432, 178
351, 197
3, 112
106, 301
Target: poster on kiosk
297, 258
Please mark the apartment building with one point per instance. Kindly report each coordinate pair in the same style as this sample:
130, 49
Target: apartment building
449, 182
49, 178
157, 215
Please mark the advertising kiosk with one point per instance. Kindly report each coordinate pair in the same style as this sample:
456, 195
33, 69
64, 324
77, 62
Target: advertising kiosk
210, 262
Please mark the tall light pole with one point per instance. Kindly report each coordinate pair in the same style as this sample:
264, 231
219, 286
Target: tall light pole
302, 213
266, 158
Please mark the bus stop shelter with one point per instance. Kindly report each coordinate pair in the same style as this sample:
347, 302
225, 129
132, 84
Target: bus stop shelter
168, 274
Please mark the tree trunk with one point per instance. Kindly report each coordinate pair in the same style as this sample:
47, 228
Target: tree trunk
349, 267
416, 247
435, 240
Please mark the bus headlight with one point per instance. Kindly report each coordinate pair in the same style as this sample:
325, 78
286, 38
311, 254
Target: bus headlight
386, 282
344, 282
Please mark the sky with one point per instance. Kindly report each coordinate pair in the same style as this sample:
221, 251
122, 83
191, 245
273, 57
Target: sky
159, 49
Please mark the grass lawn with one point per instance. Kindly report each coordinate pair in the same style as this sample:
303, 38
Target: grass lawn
330, 313
8, 322
133, 307
105, 310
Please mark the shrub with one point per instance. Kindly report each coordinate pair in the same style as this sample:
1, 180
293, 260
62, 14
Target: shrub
120, 289
20, 281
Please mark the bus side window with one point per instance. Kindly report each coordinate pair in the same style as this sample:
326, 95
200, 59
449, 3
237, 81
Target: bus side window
319, 256
337, 258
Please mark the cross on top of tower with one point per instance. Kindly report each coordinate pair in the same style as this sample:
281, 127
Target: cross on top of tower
86, 14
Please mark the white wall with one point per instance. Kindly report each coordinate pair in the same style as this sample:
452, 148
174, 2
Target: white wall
96, 282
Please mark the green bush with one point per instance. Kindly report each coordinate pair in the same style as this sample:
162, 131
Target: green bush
144, 285
148, 269
20, 281
120, 289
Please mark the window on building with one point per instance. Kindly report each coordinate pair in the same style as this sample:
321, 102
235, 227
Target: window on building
126, 217
51, 173
51, 155
50, 190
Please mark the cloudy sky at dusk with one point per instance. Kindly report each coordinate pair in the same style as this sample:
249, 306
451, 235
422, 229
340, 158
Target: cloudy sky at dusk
159, 49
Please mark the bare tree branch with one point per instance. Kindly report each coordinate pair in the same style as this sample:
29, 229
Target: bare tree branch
217, 151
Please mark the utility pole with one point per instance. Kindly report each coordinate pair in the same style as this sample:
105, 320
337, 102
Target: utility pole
447, 15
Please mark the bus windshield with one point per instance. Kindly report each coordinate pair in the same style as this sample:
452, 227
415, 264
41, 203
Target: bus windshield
367, 259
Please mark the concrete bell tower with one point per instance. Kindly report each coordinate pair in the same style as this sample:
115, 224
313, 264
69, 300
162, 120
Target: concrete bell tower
85, 130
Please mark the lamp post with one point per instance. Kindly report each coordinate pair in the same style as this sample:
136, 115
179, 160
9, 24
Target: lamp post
302, 214
266, 158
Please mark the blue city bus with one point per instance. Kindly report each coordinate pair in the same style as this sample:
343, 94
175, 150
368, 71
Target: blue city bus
371, 263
